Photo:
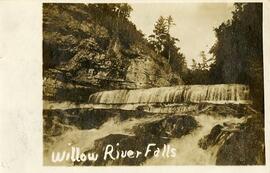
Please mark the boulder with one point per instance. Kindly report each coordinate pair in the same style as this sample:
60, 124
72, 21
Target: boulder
245, 147
172, 126
212, 138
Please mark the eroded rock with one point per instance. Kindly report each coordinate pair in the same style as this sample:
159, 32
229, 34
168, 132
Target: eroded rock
245, 147
172, 126
212, 138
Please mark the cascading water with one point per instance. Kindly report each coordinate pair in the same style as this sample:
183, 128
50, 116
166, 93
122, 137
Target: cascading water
178, 100
188, 150
84, 139
217, 94
187, 147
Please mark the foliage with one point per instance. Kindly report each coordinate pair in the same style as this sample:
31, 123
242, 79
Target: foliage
238, 51
115, 18
165, 45
199, 72
83, 36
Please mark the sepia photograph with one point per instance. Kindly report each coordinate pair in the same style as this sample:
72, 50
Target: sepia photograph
143, 84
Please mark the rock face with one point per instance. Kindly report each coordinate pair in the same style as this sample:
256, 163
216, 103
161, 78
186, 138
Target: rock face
60, 87
213, 138
236, 110
92, 52
173, 126
150, 72
239, 144
77, 117
157, 132
245, 147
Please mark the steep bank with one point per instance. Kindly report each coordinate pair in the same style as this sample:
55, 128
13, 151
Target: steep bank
84, 51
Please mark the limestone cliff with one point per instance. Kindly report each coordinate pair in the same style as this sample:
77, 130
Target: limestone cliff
88, 48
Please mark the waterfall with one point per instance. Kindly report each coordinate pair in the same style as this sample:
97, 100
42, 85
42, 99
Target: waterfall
217, 94
156, 104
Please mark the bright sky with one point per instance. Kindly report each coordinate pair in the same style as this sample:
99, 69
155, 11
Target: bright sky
194, 23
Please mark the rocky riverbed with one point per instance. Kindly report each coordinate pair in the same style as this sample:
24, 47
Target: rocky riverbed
204, 136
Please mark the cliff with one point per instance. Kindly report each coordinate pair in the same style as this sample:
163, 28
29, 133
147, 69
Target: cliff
88, 48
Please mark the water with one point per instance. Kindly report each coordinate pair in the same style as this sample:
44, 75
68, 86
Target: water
187, 148
217, 94
84, 139
162, 101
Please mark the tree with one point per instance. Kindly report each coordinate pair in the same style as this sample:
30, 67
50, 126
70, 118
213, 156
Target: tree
238, 51
169, 23
165, 45
204, 64
161, 40
194, 65
123, 10
157, 40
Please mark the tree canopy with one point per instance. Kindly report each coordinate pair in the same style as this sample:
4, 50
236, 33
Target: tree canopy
165, 45
238, 51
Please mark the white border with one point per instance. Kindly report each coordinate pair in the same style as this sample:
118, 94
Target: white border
21, 93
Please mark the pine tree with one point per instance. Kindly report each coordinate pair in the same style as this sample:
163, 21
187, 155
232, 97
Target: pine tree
164, 44
204, 64
157, 40
194, 65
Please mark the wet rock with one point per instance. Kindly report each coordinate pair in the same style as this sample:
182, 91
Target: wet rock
84, 118
212, 138
239, 144
241, 149
172, 126
245, 147
236, 110
218, 135
158, 133
80, 118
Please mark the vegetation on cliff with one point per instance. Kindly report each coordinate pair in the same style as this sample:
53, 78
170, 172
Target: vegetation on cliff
97, 46
238, 53
165, 45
